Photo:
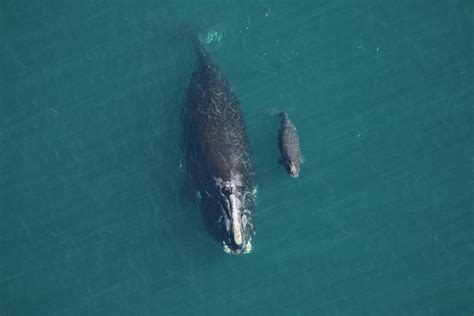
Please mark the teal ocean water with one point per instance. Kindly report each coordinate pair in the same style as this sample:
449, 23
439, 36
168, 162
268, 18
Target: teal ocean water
97, 213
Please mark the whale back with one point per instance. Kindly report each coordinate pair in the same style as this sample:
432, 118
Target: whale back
217, 125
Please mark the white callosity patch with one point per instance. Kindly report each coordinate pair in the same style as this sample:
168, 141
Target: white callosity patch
234, 207
246, 249
236, 219
239, 217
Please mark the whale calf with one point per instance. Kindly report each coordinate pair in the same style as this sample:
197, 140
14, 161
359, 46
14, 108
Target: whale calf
289, 146
218, 155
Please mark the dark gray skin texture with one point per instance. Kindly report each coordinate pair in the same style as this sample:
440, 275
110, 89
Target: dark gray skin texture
289, 146
218, 156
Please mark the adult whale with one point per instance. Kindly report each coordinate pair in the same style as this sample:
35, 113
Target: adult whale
218, 155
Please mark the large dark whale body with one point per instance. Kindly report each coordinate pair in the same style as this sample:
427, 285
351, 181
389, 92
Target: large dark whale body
218, 156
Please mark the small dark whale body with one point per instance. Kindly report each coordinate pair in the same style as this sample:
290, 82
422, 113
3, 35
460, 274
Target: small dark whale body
218, 156
289, 146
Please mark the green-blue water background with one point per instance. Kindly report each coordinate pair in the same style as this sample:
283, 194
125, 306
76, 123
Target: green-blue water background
95, 211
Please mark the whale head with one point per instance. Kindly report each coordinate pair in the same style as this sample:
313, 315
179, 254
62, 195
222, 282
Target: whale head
293, 168
236, 221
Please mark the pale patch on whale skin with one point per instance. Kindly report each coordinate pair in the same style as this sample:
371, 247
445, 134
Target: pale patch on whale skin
246, 249
238, 222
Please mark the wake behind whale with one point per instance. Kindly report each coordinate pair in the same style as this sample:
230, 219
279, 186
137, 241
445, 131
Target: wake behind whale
218, 155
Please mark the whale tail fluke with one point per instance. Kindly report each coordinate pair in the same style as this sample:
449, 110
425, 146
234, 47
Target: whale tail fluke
193, 36
278, 111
